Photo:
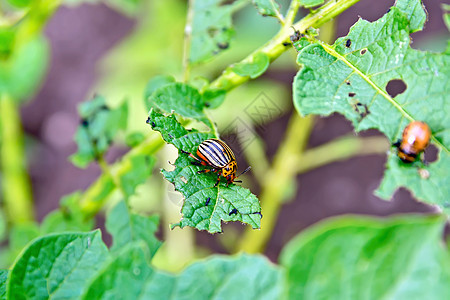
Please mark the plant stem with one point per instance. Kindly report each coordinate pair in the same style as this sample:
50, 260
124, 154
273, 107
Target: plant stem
254, 154
276, 46
187, 41
98, 193
291, 13
278, 178
340, 149
17, 196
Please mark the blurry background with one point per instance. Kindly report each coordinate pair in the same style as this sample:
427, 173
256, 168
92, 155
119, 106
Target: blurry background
97, 49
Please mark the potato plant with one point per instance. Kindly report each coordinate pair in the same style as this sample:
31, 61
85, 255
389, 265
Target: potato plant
347, 257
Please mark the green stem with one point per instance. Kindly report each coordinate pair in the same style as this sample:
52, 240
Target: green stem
276, 46
98, 193
254, 154
16, 186
292, 12
278, 178
187, 41
338, 150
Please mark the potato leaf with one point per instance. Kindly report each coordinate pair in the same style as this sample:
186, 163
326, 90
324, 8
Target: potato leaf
267, 7
205, 206
310, 3
137, 170
180, 98
242, 277
254, 68
23, 70
56, 266
129, 276
351, 76
3, 279
99, 125
127, 227
365, 258
212, 29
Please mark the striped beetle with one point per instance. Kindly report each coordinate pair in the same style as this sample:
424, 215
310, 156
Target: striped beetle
218, 155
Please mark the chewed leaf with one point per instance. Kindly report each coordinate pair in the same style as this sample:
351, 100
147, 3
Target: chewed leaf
99, 125
430, 182
267, 7
212, 29
351, 77
254, 68
180, 98
415, 11
205, 205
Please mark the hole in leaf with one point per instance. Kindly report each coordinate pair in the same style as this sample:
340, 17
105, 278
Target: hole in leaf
347, 82
395, 87
348, 43
351, 94
363, 51
431, 153
223, 45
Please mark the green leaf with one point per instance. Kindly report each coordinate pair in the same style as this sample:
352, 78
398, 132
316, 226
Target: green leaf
68, 217
60, 221
351, 76
365, 258
137, 171
3, 279
129, 276
446, 15
182, 99
156, 83
221, 277
126, 227
310, 3
205, 206
99, 125
19, 236
19, 3
415, 12
244, 277
3, 225
267, 7
23, 70
254, 68
57, 266
134, 138
431, 179
212, 29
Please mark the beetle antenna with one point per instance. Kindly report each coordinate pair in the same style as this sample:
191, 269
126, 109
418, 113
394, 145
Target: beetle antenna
245, 171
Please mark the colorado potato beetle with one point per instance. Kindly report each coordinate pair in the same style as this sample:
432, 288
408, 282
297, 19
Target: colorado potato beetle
415, 139
218, 155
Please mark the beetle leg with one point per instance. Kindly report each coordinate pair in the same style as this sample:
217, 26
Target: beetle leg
396, 144
205, 171
218, 179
